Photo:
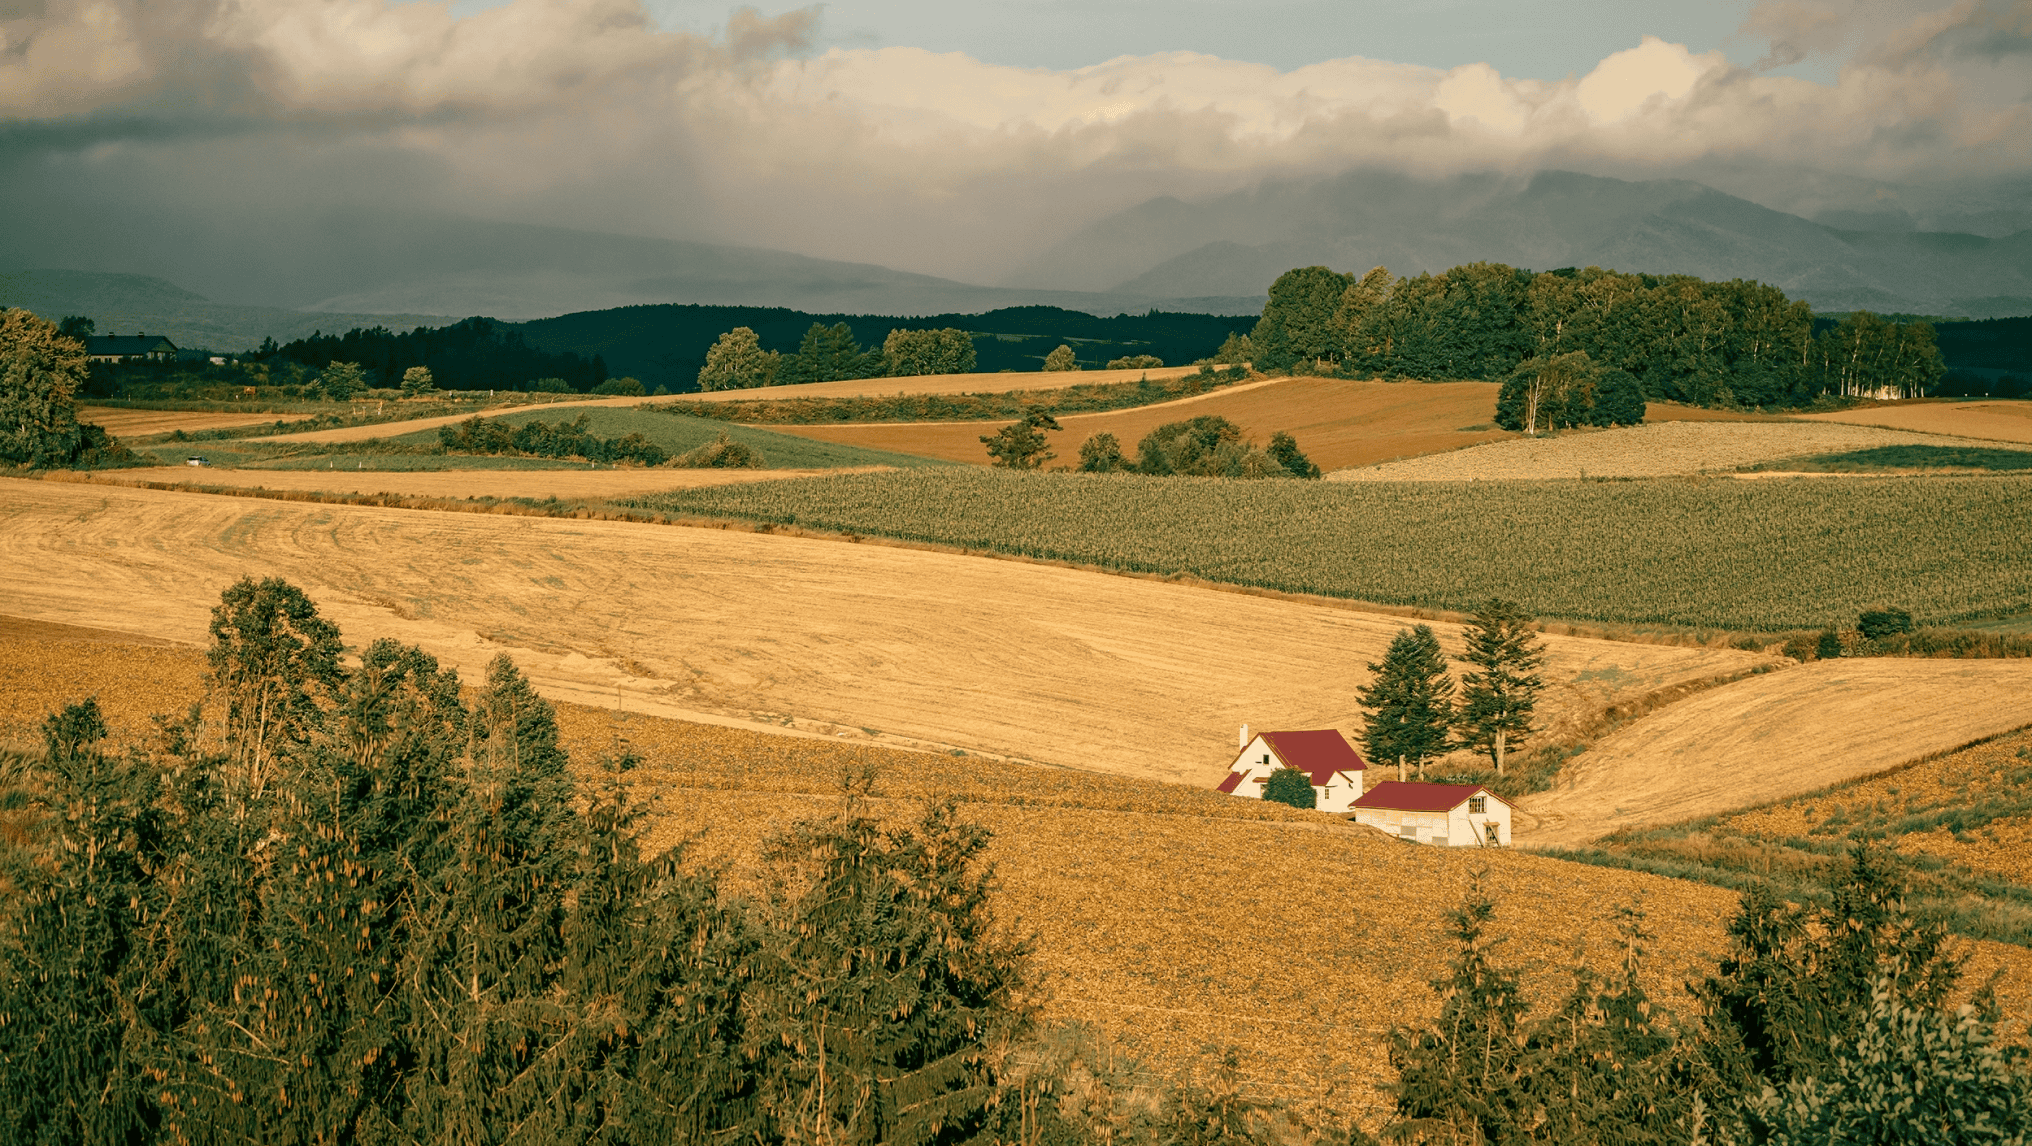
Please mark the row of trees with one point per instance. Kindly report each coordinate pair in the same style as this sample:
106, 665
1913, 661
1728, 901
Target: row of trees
367, 905
477, 354
737, 361
1206, 446
1681, 338
1411, 704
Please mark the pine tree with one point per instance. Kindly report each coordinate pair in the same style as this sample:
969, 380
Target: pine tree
1497, 699
1409, 699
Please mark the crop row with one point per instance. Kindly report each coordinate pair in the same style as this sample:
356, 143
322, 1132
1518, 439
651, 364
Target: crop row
1717, 553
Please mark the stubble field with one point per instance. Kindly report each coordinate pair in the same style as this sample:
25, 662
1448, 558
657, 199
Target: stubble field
1998, 420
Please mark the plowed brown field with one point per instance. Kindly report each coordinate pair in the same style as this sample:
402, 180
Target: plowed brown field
125, 423
565, 485
1088, 670
1995, 419
1778, 735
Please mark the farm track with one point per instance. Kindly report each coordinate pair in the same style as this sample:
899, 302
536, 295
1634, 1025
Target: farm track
938, 650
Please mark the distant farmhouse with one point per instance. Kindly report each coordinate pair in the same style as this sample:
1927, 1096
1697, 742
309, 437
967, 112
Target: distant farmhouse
123, 347
1323, 753
1449, 815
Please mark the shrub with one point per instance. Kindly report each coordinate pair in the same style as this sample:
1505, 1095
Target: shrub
1828, 647
1102, 454
1284, 448
1883, 623
626, 387
722, 453
1136, 362
1060, 360
1291, 786
549, 386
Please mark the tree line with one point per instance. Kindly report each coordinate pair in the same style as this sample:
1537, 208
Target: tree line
1205, 446
477, 354
359, 903
737, 360
1680, 338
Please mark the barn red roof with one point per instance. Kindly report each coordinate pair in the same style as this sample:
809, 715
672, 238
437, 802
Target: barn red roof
1228, 786
1319, 751
1407, 796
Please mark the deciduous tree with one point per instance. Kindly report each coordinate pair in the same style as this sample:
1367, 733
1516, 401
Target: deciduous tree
915, 352
1291, 786
1022, 445
273, 659
41, 372
737, 362
1102, 454
1060, 360
416, 382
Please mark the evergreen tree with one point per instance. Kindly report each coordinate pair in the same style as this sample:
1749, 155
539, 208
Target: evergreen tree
273, 659
826, 354
885, 985
1464, 1079
1022, 445
1408, 700
79, 1001
1499, 696
339, 381
417, 382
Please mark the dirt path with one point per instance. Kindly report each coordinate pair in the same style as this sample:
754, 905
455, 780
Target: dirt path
1778, 735
1086, 670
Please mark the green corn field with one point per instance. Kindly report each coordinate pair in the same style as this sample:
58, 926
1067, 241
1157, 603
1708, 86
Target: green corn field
1710, 553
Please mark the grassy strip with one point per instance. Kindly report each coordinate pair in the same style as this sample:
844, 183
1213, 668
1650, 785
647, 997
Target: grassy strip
1892, 458
1093, 397
1714, 554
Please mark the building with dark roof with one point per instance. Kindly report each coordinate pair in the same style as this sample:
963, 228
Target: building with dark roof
1322, 753
122, 347
1449, 815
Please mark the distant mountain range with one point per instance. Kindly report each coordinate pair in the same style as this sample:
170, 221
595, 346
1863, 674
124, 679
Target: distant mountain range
1361, 219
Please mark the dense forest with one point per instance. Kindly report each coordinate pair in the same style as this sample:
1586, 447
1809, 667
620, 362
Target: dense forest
477, 354
363, 904
1682, 338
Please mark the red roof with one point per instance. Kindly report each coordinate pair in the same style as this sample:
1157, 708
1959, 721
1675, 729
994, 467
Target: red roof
1229, 785
1405, 796
1320, 752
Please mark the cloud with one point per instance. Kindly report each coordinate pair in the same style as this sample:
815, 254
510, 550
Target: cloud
588, 113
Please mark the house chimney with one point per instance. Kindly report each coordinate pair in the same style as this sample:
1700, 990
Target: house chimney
1245, 739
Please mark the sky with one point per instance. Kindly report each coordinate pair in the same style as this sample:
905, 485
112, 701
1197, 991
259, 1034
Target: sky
958, 139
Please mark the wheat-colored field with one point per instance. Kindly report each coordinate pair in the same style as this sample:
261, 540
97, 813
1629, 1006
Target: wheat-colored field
1180, 921
1338, 422
941, 650
1660, 449
122, 422
1996, 420
565, 485
1777, 735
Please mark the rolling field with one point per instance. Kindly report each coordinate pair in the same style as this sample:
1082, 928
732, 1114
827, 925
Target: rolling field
1337, 422
677, 434
1774, 735
1141, 923
125, 422
562, 484
1713, 553
1660, 449
1999, 420
879, 643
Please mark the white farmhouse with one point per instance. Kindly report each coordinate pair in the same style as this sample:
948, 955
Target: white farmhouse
1450, 815
1323, 753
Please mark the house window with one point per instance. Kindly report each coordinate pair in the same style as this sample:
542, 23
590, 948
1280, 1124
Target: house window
1477, 805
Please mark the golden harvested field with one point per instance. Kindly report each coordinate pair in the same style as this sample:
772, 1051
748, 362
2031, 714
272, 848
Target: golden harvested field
1145, 921
125, 423
1106, 673
1997, 420
565, 485
1338, 422
1654, 450
1777, 735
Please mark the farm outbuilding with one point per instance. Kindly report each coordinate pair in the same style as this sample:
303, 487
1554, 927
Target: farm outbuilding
1322, 753
1449, 815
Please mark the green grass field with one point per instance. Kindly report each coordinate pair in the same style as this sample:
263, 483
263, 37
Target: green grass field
1912, 458
677, 433
1711, 553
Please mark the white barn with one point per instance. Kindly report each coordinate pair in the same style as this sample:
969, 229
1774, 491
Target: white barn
1449, 815
1323, 753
